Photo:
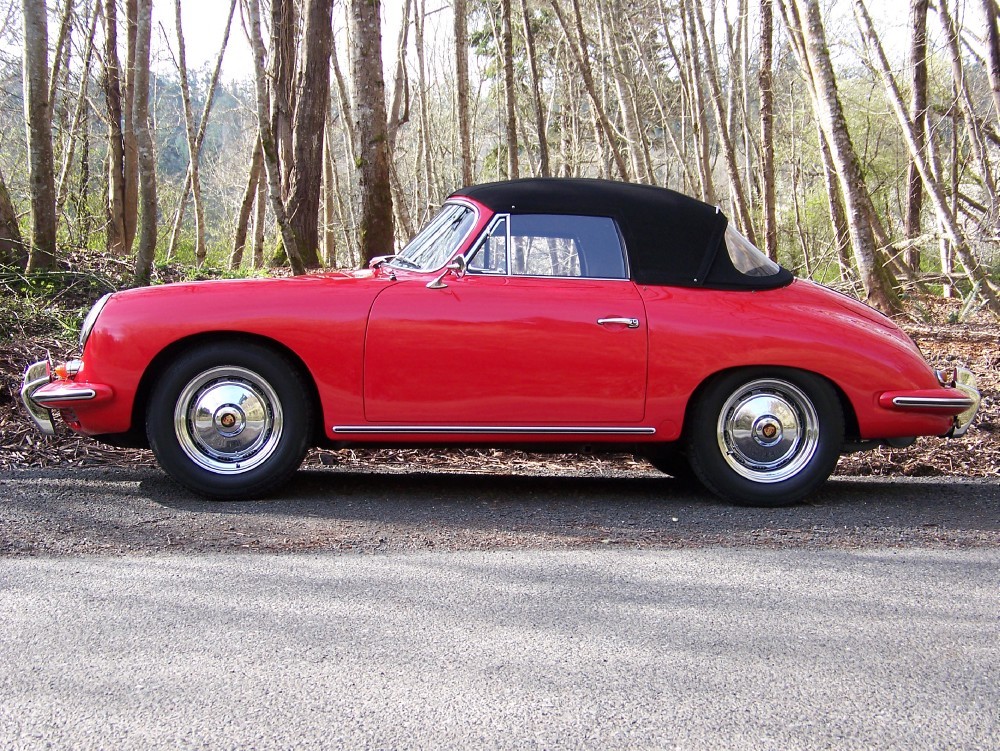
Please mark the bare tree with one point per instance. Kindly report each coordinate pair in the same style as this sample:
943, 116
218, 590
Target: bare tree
38, 120
192, 139
765, 82
918, 114
370, 128
11, 245
462, 88
536, 97
269, 146
146, 251
308, 125
246, 206
507, 52
878, 288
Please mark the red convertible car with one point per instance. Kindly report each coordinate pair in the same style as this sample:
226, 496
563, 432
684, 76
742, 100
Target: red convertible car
543, 313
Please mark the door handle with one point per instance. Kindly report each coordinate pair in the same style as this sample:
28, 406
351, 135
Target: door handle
632, 323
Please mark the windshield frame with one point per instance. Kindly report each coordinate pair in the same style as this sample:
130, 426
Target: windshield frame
459, 246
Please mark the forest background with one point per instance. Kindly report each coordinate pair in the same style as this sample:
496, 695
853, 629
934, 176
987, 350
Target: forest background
144, 141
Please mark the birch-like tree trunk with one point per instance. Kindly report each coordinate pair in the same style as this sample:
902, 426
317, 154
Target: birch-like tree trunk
918, 114
934, 190
12, 251
536, 98
507, 51
765, 81
284, 38
993, 53
192, 139
370, 126
577, 42
269, 147
206, 110
308, 125
116, 148
874, 278
246, 206
38, 122
462, 88
146, 251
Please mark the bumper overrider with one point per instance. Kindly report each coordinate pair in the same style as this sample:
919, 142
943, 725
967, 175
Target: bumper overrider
46, 388
960, 398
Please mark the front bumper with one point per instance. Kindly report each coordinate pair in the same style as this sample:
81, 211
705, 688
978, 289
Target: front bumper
43, 390
958, 396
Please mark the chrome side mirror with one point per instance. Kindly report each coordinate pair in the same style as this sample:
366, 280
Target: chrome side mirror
459, 265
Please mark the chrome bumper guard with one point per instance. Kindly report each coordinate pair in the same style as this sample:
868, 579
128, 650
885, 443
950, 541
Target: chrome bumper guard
36, 376
963, 380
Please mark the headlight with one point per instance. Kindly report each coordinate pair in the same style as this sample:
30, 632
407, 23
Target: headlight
91, 319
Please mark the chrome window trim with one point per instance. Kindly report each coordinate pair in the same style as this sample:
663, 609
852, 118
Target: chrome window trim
497, 218
494, 429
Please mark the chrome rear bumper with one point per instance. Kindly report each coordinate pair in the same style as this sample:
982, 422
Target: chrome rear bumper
37, 375
965, 382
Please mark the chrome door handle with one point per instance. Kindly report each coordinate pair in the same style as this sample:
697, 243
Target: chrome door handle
632, 323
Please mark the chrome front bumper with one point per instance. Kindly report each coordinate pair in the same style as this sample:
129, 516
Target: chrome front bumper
37, 375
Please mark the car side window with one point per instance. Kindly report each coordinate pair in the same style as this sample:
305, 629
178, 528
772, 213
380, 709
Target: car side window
491, 256
559, 245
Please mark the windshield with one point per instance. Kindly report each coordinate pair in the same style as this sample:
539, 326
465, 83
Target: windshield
746, 257
438, 241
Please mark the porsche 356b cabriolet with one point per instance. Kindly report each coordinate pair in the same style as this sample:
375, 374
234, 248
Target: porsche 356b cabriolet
554, 314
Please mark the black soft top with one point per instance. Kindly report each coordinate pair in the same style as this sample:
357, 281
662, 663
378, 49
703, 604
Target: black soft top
671, 238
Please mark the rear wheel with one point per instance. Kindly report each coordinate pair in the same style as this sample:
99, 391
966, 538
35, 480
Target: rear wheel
765, 437
230, 421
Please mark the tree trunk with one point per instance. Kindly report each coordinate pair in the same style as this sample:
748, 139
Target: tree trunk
246, 206
269, 147
131, 147
765, 82
536, 98
308, 125
934, 190
878, 288
462, 88
508, 89
918, 113
993, 52
12, 251
329, 202
577, 42
284, 24
738, 197
116, 148
192, 140
146, 252
206, 110
376, 226
38, 119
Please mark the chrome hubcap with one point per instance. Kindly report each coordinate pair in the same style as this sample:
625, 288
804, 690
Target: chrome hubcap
768, 430
228, 420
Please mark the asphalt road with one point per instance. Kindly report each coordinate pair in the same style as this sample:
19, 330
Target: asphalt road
559, 609
700, 649
139, 510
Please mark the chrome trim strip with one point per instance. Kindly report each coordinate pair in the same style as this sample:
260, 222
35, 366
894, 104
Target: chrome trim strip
932, 402
491, 429
69, 395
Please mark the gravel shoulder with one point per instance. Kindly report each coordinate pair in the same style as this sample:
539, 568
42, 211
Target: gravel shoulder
139, 511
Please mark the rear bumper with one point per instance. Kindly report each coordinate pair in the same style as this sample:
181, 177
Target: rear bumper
42, 391
958, 396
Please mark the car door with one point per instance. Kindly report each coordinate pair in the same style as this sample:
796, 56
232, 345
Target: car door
537, 332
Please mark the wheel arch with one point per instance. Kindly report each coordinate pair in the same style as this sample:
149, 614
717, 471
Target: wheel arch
158, 364
851, 429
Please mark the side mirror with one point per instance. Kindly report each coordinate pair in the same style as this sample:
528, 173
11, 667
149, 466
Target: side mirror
459, 265
379, 260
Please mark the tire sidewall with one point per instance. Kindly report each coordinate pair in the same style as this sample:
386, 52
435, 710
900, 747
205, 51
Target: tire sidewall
271, 366
710, 465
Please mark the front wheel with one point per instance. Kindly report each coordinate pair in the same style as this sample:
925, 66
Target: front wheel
230, 421
766, 438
